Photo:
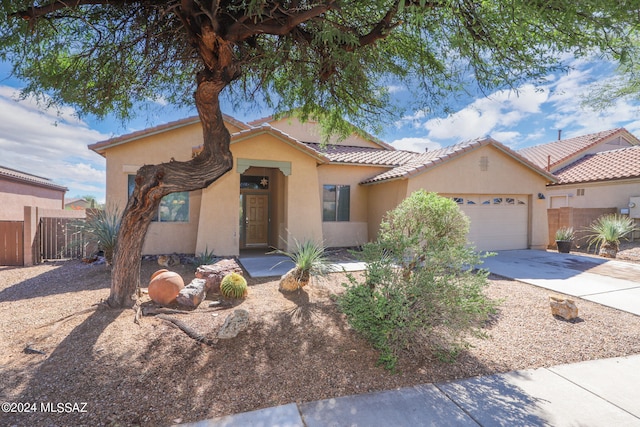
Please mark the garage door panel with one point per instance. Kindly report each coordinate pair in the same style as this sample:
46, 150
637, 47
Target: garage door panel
497, 226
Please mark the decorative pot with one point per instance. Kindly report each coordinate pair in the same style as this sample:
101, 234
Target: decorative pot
564, 246
165, 287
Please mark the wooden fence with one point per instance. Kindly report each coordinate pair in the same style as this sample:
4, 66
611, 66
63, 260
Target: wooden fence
12, 243
44, 234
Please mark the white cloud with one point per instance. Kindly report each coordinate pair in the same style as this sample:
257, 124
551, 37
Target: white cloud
395, 88
50, 143
484, 116
530, 115
507, 138
570, 113
415, 144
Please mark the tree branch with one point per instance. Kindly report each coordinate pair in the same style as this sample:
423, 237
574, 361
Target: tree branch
279, 25
40, 11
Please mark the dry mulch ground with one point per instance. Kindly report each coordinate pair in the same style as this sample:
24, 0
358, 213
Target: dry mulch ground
298, 348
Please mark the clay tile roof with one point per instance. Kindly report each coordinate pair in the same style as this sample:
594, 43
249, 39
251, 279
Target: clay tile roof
362, 155
563, 149
16, 175
605, 165
100, 146
421, 162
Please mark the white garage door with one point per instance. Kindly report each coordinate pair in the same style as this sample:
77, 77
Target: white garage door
497, 222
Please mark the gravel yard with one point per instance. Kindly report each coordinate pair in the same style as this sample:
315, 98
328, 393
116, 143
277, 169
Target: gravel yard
298, 348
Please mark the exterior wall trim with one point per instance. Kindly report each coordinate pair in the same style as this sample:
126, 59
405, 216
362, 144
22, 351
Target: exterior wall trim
244, 164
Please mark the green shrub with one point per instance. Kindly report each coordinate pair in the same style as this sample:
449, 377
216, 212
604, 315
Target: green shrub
233, 285
419, 295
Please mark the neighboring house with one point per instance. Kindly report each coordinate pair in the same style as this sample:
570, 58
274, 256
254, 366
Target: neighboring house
23, 197
77, 204
20, 189
597, 173
285, 185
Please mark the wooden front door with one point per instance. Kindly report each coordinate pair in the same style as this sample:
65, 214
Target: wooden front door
257, 219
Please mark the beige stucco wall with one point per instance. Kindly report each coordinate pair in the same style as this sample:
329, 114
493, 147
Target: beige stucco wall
125, 159
298, 210
504, 175
611, 194
355, 231
310, 132
383, 197
16, 195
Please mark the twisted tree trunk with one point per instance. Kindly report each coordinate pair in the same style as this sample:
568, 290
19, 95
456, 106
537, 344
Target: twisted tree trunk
153, 182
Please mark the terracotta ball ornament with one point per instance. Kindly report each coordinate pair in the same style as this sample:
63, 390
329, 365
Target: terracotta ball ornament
165, 286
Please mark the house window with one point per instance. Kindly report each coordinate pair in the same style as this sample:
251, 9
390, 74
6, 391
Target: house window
580, 191
335, 202
173, 207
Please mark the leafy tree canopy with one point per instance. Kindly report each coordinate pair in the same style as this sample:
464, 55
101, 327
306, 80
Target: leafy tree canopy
326, 59
330, 59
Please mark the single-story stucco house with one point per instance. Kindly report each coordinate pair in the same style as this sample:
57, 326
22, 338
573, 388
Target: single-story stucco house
285, 185
24, 197
19, 189
598, 173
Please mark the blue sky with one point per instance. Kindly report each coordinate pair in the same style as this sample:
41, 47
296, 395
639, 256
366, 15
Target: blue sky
53, 144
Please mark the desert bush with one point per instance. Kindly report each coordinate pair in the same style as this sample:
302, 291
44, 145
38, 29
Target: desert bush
420, 294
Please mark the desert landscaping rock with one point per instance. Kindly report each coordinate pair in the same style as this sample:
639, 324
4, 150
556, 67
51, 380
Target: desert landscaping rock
192, 294
563, 307
214, 273
235, 323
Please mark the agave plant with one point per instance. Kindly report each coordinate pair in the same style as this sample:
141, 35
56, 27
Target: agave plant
607, 231
309, 259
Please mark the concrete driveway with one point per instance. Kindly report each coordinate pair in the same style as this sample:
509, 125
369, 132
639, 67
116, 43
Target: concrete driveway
612, 283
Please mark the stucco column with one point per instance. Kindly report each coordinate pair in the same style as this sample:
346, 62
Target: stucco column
30, 229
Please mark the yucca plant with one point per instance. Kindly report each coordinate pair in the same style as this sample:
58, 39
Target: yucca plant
101, 228
607, 231
309, 259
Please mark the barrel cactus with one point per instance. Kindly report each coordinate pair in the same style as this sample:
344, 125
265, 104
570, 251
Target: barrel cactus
233, 285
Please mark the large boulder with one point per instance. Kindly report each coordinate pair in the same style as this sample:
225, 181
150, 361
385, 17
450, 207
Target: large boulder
214, 273
165, 286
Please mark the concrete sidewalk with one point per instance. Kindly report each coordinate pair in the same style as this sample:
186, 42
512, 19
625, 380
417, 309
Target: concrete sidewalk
608, 282
594, 393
